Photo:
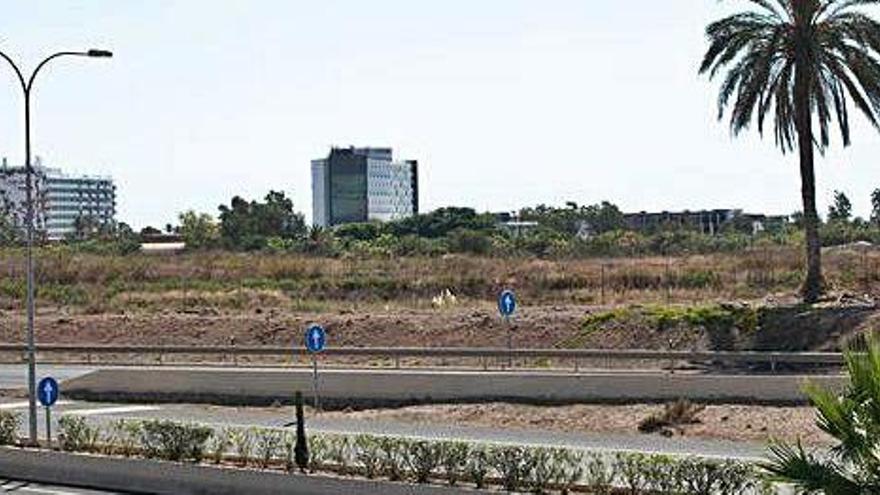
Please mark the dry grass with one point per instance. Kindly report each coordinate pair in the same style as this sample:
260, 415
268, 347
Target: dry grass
233, 280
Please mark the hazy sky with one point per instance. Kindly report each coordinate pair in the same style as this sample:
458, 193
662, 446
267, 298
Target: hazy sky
505, 103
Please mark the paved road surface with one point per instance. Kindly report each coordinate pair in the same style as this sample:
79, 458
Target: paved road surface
14, 376
24, 487
281, 416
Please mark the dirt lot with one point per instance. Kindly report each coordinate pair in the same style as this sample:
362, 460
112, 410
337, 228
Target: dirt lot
473, 325
728, 422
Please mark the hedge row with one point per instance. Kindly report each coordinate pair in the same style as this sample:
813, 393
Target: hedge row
514, 468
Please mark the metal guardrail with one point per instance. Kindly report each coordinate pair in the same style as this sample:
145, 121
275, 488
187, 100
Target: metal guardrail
773, 359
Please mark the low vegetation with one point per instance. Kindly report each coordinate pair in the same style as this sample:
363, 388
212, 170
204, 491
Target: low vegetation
513, 468
852, 418
675, 414
98, 283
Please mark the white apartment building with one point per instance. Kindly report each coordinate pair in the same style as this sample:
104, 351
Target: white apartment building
60, 199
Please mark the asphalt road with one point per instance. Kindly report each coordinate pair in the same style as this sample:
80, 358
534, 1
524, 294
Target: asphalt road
24, 487
14, 376
284, 416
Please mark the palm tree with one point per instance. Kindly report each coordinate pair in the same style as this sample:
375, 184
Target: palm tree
802, 61
853, 419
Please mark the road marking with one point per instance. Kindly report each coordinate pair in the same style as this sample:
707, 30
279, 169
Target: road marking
24, 404
44, 491
112, 410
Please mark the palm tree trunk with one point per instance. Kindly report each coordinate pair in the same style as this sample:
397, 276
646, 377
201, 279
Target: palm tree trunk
812, 288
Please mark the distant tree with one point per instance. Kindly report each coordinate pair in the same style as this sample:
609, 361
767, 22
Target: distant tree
875, 206
149, 231
799, 61
9, 233
441, 222
249, 224
841, 210
598, 218
469, 241
358, 231
86, 227
199, 230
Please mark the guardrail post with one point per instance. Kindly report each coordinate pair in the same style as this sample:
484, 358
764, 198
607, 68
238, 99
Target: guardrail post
397, 361
577, 363
773, 364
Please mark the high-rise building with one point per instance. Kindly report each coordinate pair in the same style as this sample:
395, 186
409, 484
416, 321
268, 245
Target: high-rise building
361, 185
61, 200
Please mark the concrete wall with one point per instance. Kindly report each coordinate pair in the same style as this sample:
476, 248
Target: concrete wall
365, 388
142, 476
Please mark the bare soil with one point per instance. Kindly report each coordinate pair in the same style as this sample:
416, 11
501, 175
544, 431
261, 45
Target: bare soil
472, 325
725, 422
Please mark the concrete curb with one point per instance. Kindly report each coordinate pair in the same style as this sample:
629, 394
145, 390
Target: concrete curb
156, 477
372, 388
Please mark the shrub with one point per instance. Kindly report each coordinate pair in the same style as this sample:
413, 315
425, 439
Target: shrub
9, 423
453, 460
339, 452
513, 464
219, 443
76, 435
391, 451
599, 475
268, 444
243, 445
422, 459
124, 437
680, 412
478, 466
172, 441
367, 455
545, 470
571, 468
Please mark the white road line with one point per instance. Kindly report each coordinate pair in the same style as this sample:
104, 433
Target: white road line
24, 404
112, 410
44, 491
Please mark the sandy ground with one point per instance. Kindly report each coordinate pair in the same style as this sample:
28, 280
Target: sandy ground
727, 422
477, 326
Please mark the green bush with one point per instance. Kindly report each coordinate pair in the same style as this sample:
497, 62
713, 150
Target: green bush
219, 444
9, 423
268, 446
367, 455
422, 458
517, 468
123, 437
76, 435
513, 464
243, 444
172, 441
478, 466
453, 460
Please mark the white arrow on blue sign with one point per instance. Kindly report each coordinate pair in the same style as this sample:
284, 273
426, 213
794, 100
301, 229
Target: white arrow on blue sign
316, 338
47, 391
507, 303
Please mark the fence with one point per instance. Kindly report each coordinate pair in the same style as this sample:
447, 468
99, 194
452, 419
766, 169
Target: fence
398, 356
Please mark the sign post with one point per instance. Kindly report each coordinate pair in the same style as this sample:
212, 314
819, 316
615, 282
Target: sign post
507, 306
316, 339
47, 392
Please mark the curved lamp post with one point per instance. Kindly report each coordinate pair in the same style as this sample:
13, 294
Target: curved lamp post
26, 87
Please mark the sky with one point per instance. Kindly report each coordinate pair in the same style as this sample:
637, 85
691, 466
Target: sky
505, 103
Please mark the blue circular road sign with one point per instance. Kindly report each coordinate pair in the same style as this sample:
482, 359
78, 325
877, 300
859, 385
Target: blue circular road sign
507, 303
316, 338
47, 391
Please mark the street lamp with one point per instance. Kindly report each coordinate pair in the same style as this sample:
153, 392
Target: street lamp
26, 86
